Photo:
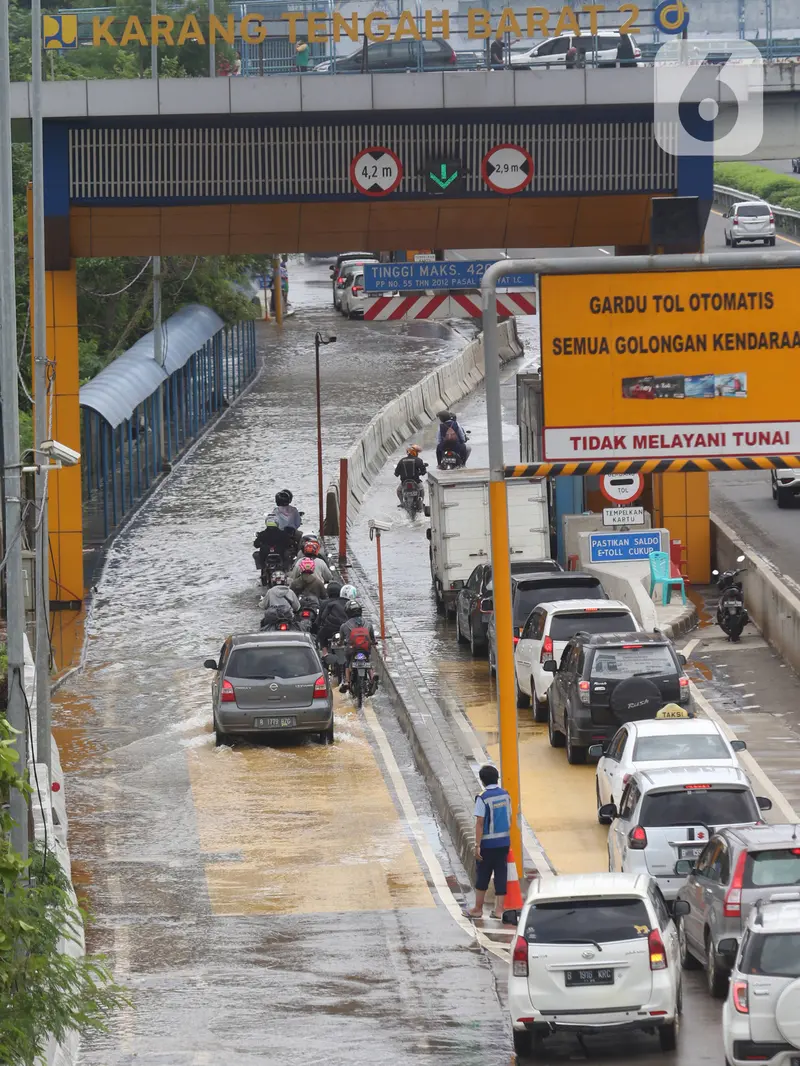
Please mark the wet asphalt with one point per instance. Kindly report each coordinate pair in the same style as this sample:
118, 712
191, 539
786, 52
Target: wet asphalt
264, 904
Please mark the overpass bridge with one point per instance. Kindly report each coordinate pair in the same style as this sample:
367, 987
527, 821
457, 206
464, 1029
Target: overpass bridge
266, 164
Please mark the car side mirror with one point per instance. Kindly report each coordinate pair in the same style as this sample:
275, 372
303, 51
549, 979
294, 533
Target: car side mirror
764, 804
684, 867
680, 908
596, 751
681, 658
511, 918
210, 664
608, 810
739, 745
428, 534
487, 604
550, 666
728, 947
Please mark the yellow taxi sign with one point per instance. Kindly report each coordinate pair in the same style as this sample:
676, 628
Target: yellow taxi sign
672, 710
670, 365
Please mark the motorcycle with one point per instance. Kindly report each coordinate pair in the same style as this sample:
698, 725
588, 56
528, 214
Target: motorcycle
732, 614
279, 619
336, 659
308, 614
273, 561
363, 681
412, 497
451, 460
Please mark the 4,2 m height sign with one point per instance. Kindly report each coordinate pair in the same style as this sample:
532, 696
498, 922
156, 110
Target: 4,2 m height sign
376, 171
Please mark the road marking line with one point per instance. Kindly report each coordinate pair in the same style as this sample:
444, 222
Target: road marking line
749, 764
688, 648
443, 890
605, 251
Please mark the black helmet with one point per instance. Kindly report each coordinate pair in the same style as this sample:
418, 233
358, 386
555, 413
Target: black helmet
283, 498
333, 588
446, 416
353, 609
278, 578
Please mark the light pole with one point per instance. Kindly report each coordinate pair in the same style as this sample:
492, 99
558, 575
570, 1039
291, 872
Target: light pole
375, 530
320, 338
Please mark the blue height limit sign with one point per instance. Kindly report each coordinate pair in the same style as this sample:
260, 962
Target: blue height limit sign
451, 275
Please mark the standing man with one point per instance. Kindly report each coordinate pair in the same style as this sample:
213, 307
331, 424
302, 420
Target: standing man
492, 841
496, 54
302, 55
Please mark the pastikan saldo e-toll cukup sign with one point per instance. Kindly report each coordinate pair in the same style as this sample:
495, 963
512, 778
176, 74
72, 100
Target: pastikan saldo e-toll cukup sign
672, 365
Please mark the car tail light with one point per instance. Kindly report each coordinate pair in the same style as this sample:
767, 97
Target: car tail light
637, 53
547, 649
637, 838
625, 779
306, 614
771, 217
658, 955
340, 282
453, 58
736, 222
732, 907
695, 788
283, 627
320, 688
516, 641
358, 288
683, 682
228, 695
740, 999
583, 691
519, 960
626, 647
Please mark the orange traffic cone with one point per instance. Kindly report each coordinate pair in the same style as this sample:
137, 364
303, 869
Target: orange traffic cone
513, 893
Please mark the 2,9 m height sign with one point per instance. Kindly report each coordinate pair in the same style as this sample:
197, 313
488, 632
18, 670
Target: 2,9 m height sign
670, 365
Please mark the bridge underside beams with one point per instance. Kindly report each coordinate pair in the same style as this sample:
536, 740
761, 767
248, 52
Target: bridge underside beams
236, 229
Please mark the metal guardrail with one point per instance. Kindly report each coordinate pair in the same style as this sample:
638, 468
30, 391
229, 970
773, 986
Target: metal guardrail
786, 220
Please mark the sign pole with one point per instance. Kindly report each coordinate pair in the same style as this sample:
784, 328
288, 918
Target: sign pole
501, 573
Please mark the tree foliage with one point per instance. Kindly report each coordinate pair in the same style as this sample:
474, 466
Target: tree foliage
43, 991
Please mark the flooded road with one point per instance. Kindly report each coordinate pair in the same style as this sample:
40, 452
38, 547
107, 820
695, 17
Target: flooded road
263, 904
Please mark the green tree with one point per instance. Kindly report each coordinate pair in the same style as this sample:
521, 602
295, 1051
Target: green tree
43, 992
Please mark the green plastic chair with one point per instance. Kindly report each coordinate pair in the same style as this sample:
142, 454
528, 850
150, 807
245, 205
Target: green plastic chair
660, 575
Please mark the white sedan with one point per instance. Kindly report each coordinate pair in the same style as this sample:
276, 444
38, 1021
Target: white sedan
659, 743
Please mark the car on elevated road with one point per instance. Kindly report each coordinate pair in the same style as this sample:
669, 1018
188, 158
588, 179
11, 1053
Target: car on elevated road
383, 57
269, 683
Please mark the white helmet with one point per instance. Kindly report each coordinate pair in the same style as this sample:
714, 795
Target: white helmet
348, 592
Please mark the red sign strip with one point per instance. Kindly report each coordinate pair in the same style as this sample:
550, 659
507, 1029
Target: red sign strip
405, 304
375, 310
470, 305
433, 302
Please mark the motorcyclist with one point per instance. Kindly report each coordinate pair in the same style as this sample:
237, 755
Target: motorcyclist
311, 550
349, 592
410, 468
308, 580
287, 515
273, 539
358, 634
279, 593
332, 615
451, 437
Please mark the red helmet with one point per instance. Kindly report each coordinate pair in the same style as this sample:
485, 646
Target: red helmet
311, 547
306, 566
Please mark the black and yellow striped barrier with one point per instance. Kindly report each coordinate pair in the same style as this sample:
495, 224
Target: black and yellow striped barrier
651, 466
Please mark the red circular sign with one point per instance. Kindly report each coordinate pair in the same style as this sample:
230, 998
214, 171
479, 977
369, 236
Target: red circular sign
507, 168
376, 171
622, 488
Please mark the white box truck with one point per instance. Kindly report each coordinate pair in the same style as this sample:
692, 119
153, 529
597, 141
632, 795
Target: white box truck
460, 536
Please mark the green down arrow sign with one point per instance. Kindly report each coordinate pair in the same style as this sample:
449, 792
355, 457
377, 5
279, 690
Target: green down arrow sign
443, 175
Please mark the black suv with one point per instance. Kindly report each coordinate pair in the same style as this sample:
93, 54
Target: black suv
403, 55
474, 601
605, 680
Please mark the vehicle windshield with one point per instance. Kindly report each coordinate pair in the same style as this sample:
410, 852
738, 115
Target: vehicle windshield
671, 747
258, 664
565, 626
600, 920
753, 211
618, 663
773, 955
698, 806
522, 46
528, 595
768, 869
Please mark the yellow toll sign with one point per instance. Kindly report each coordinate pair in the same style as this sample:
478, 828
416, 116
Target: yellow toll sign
684, 364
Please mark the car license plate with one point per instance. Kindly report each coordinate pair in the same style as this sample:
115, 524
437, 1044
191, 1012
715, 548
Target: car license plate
274, 723
690, 852
575, 978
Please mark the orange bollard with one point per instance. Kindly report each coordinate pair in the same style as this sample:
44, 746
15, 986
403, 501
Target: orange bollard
513, 892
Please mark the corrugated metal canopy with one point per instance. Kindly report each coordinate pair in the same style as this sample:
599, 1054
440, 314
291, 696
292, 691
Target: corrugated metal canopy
119, 388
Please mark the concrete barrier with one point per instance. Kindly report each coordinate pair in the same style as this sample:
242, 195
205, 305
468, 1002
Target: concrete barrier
772, 605
412, 410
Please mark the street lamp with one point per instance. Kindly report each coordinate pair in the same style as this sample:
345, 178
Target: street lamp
320, 338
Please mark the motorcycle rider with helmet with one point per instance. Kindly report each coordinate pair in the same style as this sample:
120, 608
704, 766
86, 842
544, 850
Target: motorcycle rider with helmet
349, 592
451, 437
355, 626
311, 551
332, 615
273, 539
410, 468
279, 593
308, 580
287, 514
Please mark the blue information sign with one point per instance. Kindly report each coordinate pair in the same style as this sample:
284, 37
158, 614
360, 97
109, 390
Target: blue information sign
623, 547
453, 274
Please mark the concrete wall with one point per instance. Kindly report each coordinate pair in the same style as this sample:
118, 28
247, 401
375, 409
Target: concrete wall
773, 606
407, 414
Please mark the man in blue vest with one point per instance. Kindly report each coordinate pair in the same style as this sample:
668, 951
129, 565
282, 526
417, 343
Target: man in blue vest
492, 841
